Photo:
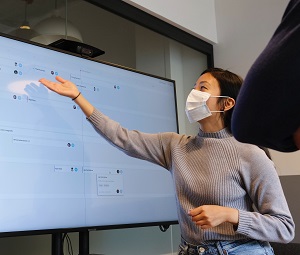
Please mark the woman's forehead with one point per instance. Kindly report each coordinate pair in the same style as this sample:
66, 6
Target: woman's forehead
209, 80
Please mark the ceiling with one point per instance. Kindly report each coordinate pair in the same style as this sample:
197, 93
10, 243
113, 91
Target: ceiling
14, 12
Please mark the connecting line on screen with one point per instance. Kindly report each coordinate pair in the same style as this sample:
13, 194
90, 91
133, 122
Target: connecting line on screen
69, 243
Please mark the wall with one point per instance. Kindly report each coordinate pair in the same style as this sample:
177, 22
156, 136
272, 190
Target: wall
244, 28
193, 16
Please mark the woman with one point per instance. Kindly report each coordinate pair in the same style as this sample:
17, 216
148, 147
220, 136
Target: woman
229, 196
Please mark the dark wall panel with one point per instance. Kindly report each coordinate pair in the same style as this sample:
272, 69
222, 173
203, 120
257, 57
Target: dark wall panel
291, 187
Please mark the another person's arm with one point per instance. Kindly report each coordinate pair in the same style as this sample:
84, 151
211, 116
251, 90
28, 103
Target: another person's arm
267, 111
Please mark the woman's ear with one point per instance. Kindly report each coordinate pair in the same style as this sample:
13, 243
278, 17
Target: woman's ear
228, 103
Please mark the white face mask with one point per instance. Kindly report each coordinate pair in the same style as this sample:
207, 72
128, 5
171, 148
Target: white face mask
196, 108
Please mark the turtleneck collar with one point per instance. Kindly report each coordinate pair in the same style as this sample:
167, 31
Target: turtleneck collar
223, 133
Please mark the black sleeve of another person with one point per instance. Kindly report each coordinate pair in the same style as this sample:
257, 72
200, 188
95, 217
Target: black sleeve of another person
267, 111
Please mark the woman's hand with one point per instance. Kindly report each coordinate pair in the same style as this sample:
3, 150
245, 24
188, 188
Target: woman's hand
69, 89
62, 87
209, 216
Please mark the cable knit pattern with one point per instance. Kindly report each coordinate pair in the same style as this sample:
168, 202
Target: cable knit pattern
212, 169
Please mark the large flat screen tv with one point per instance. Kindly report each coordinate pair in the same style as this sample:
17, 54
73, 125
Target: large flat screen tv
57, 173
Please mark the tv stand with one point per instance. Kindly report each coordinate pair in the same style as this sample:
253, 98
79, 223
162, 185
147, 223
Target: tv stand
84, 243
57, 244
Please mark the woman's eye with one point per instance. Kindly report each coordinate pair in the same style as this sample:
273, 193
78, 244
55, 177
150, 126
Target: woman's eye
203, 88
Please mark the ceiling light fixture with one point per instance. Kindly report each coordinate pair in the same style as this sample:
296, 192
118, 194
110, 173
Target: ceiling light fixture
25, 31
25, 24
54, 28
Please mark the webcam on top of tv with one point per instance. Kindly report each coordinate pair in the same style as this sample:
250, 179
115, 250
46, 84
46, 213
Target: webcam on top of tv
77, 47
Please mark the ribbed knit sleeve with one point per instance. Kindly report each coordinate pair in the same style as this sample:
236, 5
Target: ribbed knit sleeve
150, 147
271, 220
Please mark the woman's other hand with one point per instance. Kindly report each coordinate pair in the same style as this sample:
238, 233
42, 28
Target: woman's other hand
209, 216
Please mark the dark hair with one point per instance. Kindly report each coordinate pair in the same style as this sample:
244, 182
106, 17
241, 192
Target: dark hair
230, 84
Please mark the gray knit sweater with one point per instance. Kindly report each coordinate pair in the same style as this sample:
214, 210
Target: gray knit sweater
212, 169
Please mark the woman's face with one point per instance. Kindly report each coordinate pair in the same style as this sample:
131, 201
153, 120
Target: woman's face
207, 83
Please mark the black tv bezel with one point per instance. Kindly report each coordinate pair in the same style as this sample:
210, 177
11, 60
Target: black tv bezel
89, 228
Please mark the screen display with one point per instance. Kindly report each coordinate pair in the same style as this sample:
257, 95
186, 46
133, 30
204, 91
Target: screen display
56, 171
